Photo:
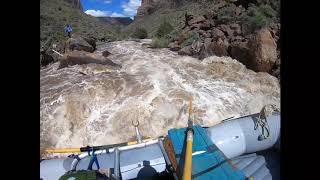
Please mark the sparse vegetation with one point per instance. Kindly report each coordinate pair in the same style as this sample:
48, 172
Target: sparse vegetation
164, 35
259, 16
160, 42
140, 33
226, 15
164, 29
190, 38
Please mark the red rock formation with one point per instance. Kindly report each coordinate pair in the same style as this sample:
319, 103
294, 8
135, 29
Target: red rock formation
145, 8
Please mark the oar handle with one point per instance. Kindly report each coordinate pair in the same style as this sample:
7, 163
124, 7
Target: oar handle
187, 169
64, 150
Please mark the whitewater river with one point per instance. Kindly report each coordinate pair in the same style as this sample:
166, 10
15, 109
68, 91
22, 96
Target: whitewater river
95, 104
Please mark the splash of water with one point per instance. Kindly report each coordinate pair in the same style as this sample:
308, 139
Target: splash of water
153, 87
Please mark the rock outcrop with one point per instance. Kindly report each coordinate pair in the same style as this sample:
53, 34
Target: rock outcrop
45, 58
79, 43
82, 57
106, 53
263, 51
147, 6
259, 51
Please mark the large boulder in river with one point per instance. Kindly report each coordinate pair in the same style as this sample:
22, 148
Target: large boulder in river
45, 58
106, 53
174, 46
91, 41
82, 57
217, 48
263, 51
80, 44
185, 51
239, 50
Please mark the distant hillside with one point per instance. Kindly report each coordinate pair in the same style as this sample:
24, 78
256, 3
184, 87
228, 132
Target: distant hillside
150, 16
116, 21
55, 14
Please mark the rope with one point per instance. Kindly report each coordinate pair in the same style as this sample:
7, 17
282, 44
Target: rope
93, 159
266, 111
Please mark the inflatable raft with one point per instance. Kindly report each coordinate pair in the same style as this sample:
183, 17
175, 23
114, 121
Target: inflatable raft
229, 150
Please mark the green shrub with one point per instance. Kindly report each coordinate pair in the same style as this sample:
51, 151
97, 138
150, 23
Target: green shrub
226, 15
164, 29
159, 42
140, 33
190, 38
258, 16
267, 11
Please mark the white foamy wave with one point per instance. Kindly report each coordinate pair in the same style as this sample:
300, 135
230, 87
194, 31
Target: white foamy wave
153, 86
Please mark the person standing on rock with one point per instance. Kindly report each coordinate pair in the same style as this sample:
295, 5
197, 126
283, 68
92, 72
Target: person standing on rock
68, 30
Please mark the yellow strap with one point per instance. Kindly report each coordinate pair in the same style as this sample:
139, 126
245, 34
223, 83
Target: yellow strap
135, 142
64, 150
76, 150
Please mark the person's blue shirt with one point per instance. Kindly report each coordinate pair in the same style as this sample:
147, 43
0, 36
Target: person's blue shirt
68, 29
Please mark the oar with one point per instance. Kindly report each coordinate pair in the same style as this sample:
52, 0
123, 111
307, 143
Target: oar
187, 169
94, 148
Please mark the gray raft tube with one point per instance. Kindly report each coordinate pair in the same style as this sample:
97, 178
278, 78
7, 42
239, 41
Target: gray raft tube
52, 169
233, 137
238, 136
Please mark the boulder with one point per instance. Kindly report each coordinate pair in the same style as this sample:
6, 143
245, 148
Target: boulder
45, 58
106, 53
147, 45
205, 25
81, 57
207, 41
207, 35
197, 20
245, 29
276, 72
226, 43
239, 50
219, 5
201, 32
91, 41
216, 48
210, 15
173, 46
78, 43
185, 51
89, 38
237, 39
263, 50
275, 32
238, 11
196, 47
236, 28
217, 33
226, 29
195, 26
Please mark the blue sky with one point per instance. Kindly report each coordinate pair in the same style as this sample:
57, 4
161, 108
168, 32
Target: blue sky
114, 8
